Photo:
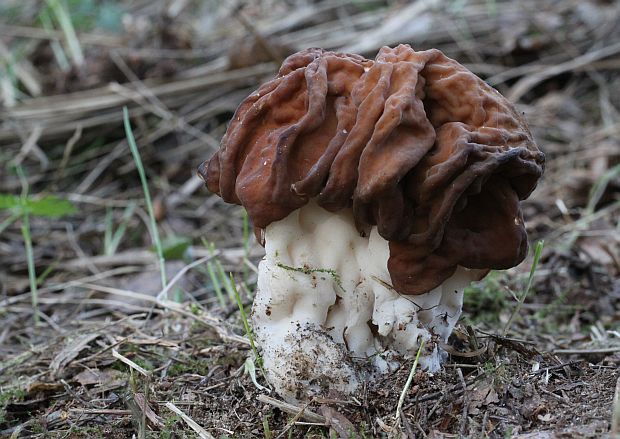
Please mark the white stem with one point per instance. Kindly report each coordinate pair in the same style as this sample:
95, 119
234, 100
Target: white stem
324, 302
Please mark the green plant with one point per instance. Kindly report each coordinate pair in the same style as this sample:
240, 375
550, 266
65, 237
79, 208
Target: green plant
112, 239
559, 309
175, 247
246, 324
266, 429
199, 367
147, 196
45, 18
250, 369
63, 18
309, 271
530, 281
37, 427
24, 206
246, 245
9, 396
168, 430
403, 394
249, 362
48, 206
485, 300
213, 272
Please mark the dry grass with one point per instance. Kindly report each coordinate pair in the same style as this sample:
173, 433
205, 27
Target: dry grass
106, 354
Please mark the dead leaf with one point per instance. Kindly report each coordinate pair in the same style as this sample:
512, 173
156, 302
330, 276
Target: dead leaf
101, 378
336, 420
602, 250
492, 397
70, 352
141, 401
39, 386
545, 418
480, 397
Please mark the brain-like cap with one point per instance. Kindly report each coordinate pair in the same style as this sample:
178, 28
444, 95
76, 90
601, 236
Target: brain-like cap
414, 142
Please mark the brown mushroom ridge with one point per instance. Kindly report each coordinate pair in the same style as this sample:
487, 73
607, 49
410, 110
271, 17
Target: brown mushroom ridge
414, 142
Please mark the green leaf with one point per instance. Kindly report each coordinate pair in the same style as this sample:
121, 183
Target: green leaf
250, 369
8, 201
48, 206
175, 247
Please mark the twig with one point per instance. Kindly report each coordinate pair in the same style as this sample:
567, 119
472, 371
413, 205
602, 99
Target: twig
204, 434
112, 412
67, 152
527, 83
453, 391
271, 50
41, 34
130, 363
556, 396
204, 318
463, 423
63, 286
586, 351
557, 366
87, 182
293, 409
28, 145
292, 422
164, 293
483, 425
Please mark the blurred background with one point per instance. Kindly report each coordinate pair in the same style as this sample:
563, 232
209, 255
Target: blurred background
79, 252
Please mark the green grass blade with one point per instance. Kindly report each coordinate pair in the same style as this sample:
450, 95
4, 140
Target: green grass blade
537, 252
10, 220
147, 196
246, 243
64, 19
403, 394
107, 234
216, 284
114, 240
57, 50
246, 324
230, 289
32, 275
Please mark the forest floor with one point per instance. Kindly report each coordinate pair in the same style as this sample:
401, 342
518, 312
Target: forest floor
91, 345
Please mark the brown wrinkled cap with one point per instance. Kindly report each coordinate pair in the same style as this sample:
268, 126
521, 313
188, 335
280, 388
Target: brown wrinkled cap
414, 142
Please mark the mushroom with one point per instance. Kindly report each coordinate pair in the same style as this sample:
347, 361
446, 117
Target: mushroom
380, 189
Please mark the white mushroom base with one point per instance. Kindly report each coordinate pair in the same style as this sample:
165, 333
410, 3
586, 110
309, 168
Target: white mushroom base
325, 314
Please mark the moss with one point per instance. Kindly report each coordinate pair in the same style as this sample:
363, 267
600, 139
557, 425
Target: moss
8, 396
169, 431
485, 300
309, 271
199, 367
95, 431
